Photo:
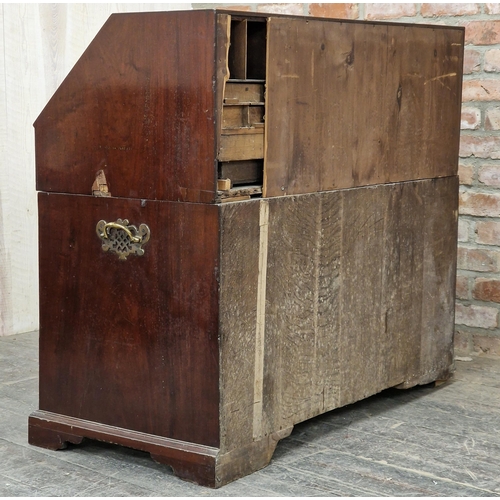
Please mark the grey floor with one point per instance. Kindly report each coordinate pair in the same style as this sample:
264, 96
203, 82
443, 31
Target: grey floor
426, 441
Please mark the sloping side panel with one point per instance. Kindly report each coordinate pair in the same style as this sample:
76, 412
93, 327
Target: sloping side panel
139, 104
353, 104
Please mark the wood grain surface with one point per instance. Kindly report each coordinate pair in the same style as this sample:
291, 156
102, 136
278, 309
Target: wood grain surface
131, 344
237, 320
359, 293
359, 104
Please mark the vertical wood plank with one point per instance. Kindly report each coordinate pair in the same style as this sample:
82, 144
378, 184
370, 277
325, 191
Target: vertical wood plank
401, 288
302, 313
240, 233
328, 298
260, 326
439, 268
362, 345
291, 336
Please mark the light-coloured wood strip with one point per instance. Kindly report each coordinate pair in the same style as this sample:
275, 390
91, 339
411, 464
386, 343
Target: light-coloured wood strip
224, 184
244, 130
260, 326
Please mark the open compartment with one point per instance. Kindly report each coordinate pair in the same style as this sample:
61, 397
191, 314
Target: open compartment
241, 152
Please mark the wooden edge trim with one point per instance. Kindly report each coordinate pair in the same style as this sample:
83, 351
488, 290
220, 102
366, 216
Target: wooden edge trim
189, 461
103, 432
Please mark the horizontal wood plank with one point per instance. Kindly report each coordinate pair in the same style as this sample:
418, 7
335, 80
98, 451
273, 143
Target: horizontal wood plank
241, 147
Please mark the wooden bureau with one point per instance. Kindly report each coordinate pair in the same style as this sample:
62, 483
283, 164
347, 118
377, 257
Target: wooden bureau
245, 221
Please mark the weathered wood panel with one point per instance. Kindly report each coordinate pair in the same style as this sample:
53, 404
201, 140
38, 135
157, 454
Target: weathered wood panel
358, 298
362, 342
131, 344
301, 326
402, 283
439, 275
393, 95
237, 320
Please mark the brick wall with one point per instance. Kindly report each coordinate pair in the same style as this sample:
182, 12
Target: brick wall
478, 275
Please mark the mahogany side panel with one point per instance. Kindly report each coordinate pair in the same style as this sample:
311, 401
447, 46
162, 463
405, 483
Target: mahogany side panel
359, 104
132, 344
139, 104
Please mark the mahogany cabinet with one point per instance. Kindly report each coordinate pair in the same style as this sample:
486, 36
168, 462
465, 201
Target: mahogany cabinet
245, 221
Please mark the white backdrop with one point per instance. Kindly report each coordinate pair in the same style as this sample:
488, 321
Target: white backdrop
39, 44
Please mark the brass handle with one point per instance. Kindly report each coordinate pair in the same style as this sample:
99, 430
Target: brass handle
116, 225
126, 239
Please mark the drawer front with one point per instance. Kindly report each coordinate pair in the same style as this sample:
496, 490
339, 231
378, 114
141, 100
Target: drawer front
244, 93
245, 146
126, 339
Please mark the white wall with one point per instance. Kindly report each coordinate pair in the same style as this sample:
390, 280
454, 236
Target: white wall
39, 44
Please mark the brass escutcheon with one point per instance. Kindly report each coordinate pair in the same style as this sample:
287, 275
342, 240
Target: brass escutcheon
122, 238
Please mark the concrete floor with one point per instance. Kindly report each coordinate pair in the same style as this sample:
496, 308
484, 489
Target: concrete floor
426, 441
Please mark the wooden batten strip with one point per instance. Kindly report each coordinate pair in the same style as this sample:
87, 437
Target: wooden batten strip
261, 320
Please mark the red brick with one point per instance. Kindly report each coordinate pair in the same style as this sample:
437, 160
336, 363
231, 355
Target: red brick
488, 233
489, 175
492, 8
479, 204
462, 288
480, 147
334, 10
470, 118
491, 60
487, 290
461, 343
483, 344
281, 8
481, 90
449, 9
476, 316
482, 32
463, 230
492, 120
477, 259
472, 61
466, 175
389, 10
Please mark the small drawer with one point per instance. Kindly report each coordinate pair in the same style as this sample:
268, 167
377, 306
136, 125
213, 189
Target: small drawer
244, 93
241, 147
242, 116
